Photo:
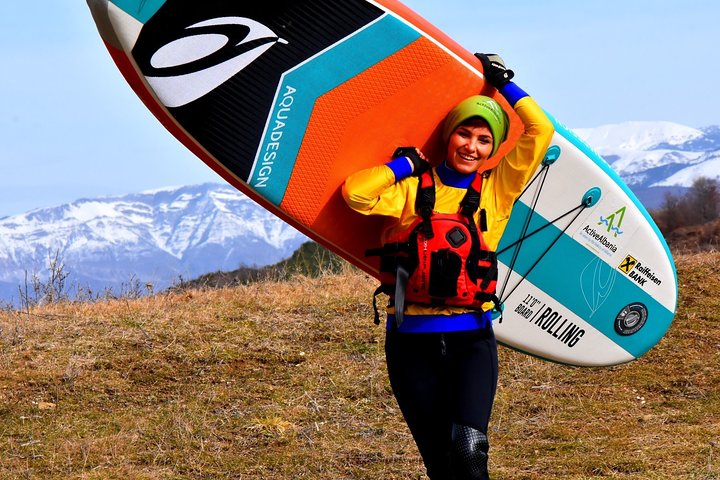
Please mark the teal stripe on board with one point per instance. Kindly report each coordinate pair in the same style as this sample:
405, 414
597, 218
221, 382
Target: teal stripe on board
141, 10
599, 161
303, 86
559, 275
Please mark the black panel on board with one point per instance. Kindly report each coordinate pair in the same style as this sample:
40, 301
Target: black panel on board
229, 120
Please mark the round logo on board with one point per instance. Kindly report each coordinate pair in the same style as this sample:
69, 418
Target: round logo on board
631, 319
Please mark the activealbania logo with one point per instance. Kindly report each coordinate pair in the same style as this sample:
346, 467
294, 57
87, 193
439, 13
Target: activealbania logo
211, 53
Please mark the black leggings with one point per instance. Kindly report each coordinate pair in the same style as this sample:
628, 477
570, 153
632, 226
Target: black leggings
441, 379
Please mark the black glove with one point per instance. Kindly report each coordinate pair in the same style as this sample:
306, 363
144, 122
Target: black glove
494, 69
420, 165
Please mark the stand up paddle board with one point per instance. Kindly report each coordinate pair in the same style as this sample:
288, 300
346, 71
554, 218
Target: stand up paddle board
285, 99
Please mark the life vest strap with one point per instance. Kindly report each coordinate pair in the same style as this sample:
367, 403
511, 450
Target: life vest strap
401, 281
391, 248
425, 201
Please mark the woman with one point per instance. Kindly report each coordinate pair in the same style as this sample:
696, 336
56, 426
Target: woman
440, 346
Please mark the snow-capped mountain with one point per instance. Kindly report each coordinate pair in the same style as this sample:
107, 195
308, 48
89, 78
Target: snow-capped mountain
657, 157
637, 136
161, 236
155, 237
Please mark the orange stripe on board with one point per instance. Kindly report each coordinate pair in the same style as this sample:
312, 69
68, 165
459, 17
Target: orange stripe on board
356, 124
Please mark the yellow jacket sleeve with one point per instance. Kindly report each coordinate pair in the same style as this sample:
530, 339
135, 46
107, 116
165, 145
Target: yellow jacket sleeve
507, 180
376, 191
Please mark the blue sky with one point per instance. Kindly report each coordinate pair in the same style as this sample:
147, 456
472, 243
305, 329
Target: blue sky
71, 127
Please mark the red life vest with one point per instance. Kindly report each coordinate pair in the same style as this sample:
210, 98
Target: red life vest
440, 259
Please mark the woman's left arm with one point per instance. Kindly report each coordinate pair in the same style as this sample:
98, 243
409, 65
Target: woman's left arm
515, 169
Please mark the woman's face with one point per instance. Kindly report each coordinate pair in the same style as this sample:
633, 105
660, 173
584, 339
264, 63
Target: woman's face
469, 146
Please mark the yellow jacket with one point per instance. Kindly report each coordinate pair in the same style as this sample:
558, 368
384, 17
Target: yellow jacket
376, 191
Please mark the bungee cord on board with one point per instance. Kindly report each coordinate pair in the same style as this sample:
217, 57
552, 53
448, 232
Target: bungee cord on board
587, 201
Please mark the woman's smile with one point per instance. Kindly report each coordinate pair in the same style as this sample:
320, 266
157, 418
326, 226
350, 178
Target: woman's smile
469, 146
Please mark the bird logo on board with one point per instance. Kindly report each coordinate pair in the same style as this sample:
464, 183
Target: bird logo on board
628, 264
207, 55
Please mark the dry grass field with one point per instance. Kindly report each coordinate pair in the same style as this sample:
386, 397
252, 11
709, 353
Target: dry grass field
286, 380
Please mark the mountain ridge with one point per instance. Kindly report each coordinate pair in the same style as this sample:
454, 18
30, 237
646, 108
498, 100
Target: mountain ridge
156, 237
171, 234
656, 158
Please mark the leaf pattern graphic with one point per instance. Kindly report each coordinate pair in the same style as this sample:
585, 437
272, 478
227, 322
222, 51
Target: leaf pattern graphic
597, 280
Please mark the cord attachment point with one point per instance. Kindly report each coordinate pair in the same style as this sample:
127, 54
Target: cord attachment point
552, 154
592, 196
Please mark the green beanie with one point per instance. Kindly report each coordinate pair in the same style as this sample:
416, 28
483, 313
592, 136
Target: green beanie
478, 106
